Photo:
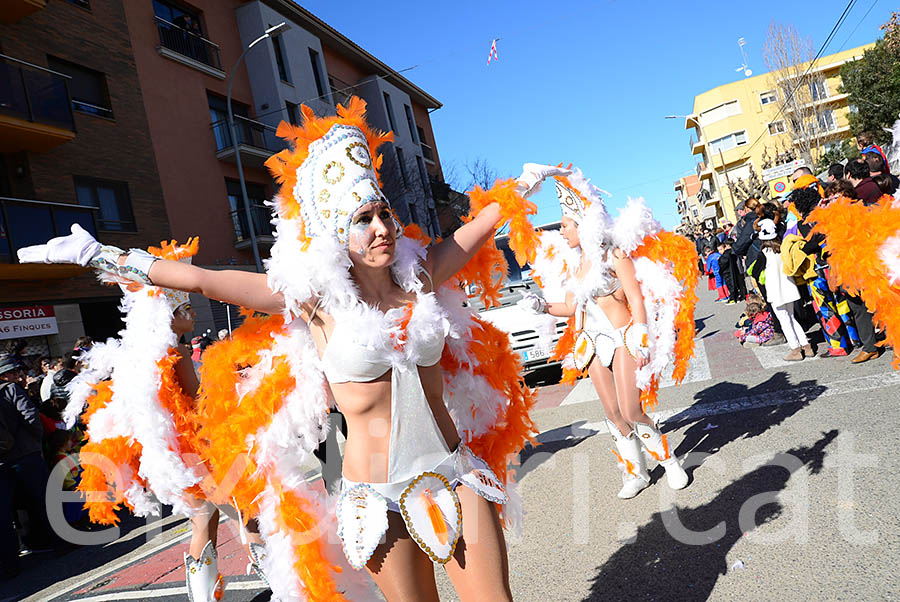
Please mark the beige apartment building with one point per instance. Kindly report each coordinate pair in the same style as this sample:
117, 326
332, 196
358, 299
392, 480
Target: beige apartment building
744, 125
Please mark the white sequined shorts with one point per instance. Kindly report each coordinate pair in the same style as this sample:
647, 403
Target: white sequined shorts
427, 502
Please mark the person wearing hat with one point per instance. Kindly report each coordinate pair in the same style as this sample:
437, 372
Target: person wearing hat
22, 466
782, 293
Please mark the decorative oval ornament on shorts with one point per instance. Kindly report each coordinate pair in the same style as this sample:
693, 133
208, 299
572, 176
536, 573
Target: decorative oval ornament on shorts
362, 522
433, 517
478, 476
583, 352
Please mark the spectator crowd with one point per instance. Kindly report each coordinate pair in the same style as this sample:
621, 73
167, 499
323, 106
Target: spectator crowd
771, 261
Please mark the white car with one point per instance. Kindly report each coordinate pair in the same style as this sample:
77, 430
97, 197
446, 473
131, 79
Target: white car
532, 336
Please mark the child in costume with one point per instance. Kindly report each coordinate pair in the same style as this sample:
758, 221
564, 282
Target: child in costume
630, 288
375, 318
143, 447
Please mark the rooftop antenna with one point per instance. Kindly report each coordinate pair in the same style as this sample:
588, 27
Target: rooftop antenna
744, 67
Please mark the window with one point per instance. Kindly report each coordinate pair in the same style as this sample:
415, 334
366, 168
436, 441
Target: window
293, 113
427, 152
410, 122
256, 197
87, 87
818, 90
719, 112
218, 113
768, 97
390, 111
401, 161
180, 31
185, 19
825, 120
317, 72
776, 127
423, 174
283, 72
111, 198
728, 142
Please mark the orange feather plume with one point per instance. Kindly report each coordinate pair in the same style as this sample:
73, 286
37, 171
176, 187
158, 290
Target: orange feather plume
854, 234
500, 366
438, 524
172, 250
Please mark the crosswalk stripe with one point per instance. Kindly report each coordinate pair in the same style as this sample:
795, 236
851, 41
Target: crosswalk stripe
741, 404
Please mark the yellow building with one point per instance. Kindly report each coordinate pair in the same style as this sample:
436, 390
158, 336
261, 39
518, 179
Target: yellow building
740, 126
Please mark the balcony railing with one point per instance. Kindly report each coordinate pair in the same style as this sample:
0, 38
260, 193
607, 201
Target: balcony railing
249, 133
25, 222
189, 44
35, 94
262, 225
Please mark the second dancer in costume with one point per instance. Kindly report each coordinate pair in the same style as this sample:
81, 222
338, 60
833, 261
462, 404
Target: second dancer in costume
615, 287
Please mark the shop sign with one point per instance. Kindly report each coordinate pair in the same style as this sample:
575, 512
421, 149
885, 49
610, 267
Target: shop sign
29, 321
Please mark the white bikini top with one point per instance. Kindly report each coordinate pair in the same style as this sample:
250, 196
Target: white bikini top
347, 359
599, 282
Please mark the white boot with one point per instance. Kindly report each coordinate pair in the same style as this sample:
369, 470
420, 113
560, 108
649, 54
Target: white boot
631, 462
257, 555
657, 446
204, 583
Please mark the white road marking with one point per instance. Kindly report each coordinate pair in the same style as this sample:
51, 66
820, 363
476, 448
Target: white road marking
166, 591
749, 402
773, 357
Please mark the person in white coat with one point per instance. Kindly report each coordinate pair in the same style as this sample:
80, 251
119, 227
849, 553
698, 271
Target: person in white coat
782, 293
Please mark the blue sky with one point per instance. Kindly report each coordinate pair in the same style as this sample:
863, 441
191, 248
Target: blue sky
581, 82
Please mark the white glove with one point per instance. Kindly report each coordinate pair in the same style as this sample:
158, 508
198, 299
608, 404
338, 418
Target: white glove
637, 340
78, 247
535, 173
532, 303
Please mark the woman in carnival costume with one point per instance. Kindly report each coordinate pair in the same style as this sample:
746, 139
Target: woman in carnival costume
374, 319
137, 397
629, 287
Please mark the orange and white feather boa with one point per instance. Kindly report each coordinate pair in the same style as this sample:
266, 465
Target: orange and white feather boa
863, 246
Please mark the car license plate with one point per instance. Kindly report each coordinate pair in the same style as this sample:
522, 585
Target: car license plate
535, 354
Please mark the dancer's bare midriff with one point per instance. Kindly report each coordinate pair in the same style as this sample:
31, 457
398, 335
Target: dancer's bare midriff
366, 407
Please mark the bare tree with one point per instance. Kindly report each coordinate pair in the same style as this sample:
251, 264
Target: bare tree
409, 185
481, 173
787, 55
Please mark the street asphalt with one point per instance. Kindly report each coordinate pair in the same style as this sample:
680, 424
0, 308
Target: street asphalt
793, 469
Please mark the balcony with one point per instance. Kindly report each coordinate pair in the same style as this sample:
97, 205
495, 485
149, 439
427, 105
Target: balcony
697, 146
13, 10
819, 102
26, 222
35, 108
188, 48
256, 141
262, 225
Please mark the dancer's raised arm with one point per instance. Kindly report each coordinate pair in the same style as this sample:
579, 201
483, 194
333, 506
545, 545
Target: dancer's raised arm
449, 256
246, 289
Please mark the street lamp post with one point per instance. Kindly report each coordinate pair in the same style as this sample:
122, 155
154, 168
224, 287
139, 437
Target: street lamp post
715, 174
271, 32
